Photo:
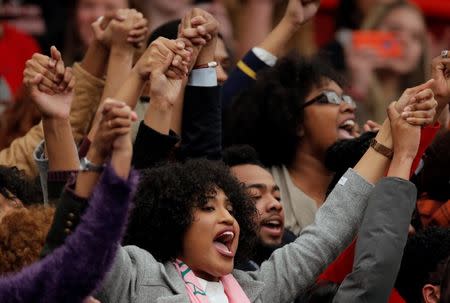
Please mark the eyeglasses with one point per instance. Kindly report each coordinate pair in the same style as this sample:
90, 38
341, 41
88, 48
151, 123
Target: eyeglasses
330, 97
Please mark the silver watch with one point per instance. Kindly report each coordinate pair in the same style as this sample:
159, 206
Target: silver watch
86, 165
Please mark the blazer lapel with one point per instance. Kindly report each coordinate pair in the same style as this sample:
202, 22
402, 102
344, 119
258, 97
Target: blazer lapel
251, 287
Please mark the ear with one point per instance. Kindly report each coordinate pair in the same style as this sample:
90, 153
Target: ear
431, 293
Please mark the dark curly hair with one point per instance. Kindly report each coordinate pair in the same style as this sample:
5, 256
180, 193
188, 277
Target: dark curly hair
434, 178
240, 155
166, 199
424, 259
14, 183
269, 114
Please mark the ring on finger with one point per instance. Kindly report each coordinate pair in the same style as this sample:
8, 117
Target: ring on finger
444, 54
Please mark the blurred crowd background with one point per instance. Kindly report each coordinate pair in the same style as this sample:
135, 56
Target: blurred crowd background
29, 26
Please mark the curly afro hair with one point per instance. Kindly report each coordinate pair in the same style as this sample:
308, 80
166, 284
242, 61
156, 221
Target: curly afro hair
167, 197
22, 236
14, 183
434, 178
424, 259
269, 115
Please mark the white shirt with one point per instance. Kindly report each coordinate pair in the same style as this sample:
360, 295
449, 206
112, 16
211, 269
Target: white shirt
214, 291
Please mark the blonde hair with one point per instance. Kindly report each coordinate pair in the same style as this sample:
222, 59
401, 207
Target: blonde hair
376, 99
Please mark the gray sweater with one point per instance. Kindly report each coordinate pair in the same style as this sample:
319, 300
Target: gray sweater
137, 277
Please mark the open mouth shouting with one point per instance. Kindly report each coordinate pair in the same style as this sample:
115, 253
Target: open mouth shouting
346, 129
223, 242
273, 226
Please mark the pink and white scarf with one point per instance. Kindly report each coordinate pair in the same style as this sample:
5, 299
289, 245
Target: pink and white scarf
196, 294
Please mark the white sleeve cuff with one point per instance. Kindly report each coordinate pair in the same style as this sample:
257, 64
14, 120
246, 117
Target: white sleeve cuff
265, 56
203, 77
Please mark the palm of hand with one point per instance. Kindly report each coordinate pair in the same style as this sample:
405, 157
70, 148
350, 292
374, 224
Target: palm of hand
56, 106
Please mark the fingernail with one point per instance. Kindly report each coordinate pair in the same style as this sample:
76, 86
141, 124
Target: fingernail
407, 109
405, 115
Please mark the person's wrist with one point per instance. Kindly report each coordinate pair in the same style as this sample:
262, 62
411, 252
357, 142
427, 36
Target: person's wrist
404, 156
160, 104
55, 119
100, 45
122, 49
290, 23
206, 55
95, 155
384, 136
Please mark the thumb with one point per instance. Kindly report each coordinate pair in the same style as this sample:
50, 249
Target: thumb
423, 86
392, 112
56, 55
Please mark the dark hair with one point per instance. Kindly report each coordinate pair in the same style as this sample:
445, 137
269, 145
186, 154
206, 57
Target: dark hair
445, 284
240, 155
348, 15
269, 114
344, 154
165, 201
168, 30
322, 292
434, 178
14, 183
423, 262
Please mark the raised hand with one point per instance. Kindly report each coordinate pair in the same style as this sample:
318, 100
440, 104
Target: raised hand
116, 120
406, 137
164, 89
419, 104
161, 50
199, 26
51, 69
50, 87
440, 72
125, 26
299, 12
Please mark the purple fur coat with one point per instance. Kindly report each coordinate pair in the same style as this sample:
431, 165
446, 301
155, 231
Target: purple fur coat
73, 271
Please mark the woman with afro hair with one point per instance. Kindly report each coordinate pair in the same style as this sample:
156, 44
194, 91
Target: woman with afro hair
291, 115
193, 220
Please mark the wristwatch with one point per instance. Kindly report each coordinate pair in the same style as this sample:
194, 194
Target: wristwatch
380, 148
86, 165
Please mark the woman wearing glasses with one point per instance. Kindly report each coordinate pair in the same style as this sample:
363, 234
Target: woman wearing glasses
291, 115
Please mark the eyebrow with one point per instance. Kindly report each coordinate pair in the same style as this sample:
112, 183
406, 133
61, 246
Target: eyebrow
262, 186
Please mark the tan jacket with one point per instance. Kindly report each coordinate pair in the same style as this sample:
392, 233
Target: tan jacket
88, 91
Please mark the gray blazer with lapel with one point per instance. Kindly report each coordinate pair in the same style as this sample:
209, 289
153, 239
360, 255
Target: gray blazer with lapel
137, 277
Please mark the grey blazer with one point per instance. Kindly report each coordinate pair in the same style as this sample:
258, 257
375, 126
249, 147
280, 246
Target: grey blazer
380, 244
137, 277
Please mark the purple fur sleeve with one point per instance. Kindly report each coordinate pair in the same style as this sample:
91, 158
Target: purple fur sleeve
73, 271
